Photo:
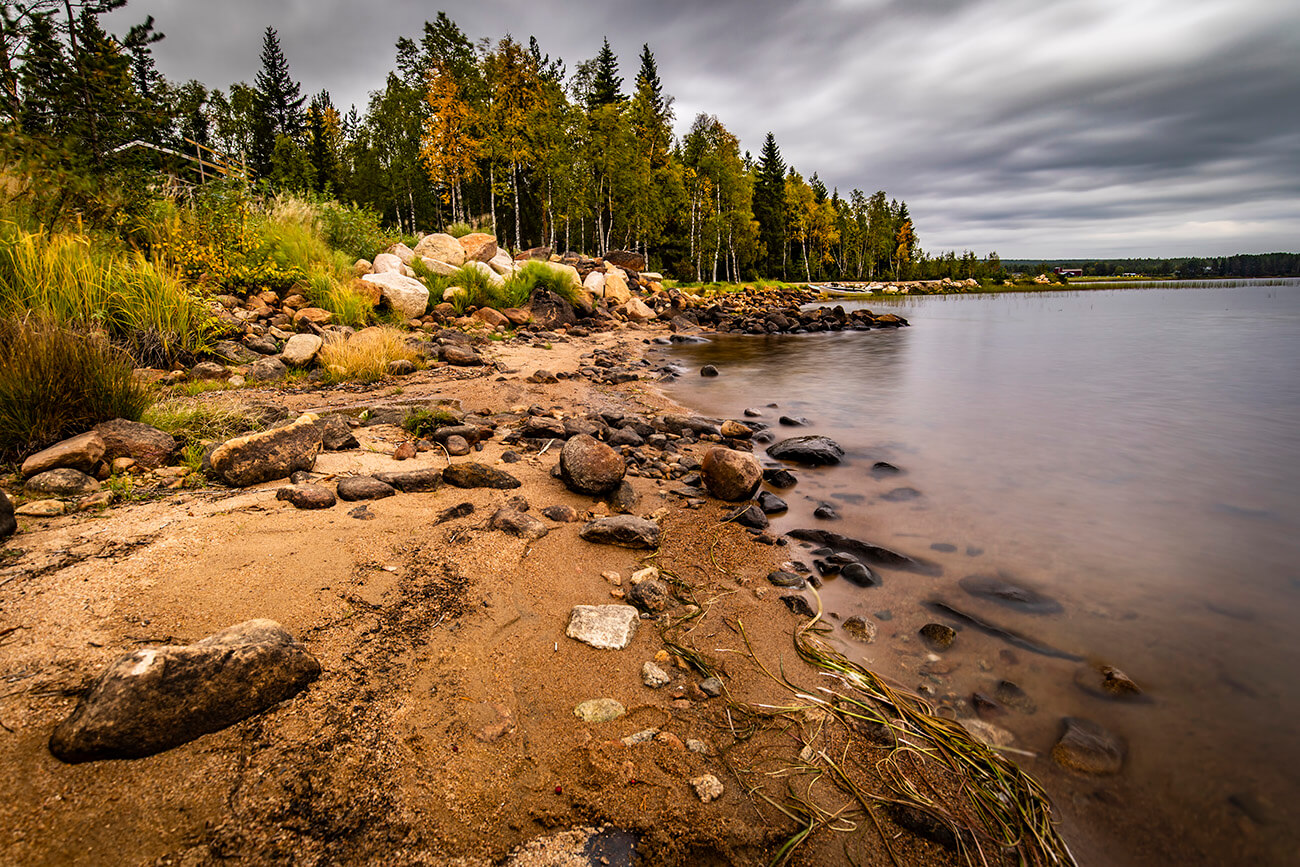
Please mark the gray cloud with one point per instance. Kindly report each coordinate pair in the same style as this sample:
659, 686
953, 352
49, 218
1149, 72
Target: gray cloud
1071, 128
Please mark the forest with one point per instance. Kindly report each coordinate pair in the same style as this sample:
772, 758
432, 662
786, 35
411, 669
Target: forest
496, 135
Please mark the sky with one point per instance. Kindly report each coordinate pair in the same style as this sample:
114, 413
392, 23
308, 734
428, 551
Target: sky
1034, 128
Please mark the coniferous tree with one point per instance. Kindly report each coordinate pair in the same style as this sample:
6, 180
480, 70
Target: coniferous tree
606, 83
44, 82
769, 205
280, 102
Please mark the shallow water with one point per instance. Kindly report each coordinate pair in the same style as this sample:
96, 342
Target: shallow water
1134, 454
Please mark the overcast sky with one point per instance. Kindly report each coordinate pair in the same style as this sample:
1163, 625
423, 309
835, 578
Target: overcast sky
1036, 128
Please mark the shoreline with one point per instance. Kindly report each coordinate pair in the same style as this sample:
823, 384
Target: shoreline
442, 726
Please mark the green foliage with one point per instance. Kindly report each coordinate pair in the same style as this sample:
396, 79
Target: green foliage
537, 275
196, 420
459, 230
352, 230
56, 382
423, 422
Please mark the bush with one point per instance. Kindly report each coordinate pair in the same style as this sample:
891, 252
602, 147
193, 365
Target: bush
56, 382
355, 231
538, 275
366, 355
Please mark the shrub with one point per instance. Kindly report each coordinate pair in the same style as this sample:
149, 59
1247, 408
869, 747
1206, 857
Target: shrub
354, 231
366, 355
423, 422
56, 382
538, 275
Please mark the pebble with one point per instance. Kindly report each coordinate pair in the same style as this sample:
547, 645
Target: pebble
938, 636
605, 627
860, 629
653, 676
599, 710
405, 451
711, 686
707, 788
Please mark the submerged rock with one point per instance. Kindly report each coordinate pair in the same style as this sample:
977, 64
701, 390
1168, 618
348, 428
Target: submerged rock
860, 629
1106, 681
599, 710
866, 552
938, 636
812, 451
152, 700
1087, 747
1007, 591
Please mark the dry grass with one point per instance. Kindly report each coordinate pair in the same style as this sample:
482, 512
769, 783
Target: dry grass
366, 355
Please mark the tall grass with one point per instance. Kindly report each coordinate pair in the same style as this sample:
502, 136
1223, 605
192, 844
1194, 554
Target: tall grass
480, 291
366, 355
56, 382
72, 281
195, 419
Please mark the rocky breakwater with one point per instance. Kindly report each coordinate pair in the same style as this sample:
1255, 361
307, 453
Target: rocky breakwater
781, 311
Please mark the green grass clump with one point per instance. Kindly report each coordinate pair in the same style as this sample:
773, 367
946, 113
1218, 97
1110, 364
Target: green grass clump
538, 275
459, 230
195, 420
57, 382
423, 422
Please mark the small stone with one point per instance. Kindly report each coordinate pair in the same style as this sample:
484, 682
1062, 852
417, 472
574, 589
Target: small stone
798, 605
697, 746
781, 578
748, 516
826, 512
736, 430
1106, 681
362, 513
401, 367
457, 446
405, 451
62, 483
641, 737
860, 575
988, 734
605, 627
711, 686
779, 478
771, 504
1011, 695
900, 495
653, 676
307, 496
707, 788
599, 710
708, 370
364, 488
41, 509
938, 636
1088, 748
517, 523
860, 629
626, 531
460, 510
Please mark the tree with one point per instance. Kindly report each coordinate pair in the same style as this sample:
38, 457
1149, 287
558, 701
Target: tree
769, 205
324, 142
606, 83
280, 101
448, 144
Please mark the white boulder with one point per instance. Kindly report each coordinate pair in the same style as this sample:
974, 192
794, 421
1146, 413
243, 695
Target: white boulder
406, 295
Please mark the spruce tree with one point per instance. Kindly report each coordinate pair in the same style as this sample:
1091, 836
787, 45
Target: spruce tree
769, 203
606, 85
279, 102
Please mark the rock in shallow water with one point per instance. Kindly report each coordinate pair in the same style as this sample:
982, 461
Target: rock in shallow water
152, 700
938, 636
1005, 590
1087, 747
812, 451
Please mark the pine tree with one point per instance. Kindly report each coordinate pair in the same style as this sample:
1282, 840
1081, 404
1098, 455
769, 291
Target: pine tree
769, 205
280, 102
44, 82
606, 84
324, 141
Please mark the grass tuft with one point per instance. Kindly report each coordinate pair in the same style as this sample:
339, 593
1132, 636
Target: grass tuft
195, 420
365, 356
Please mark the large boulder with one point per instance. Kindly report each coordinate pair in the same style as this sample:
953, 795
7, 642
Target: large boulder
406, 295
442, 247
8, 525
567, 271
588, 466
478, 247
385, 263
483, 268
502, 263
442, 269
63, 482
626, 531
625, 259
731, 475
81, 452
637, 311
300, 350
549, 311
149, 447
151, 700
616, 290
403, 253
595, 282
812, 450
267, 455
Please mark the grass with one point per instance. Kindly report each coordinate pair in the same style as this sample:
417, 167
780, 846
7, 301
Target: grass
459, 230
480, 291
198, 420
366, 355
73, 281
56, 382
423, 422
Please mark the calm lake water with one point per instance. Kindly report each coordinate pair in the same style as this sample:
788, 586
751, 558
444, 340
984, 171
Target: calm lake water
1134, 454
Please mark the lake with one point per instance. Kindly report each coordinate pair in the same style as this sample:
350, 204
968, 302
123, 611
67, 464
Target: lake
1133, 454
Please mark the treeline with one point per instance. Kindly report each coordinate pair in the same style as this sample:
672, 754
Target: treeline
1187, 268
498, 135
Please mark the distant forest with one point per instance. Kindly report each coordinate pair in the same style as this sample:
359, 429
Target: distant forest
1188, 268
497, 135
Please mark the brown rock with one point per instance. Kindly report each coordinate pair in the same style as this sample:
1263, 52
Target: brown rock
1088, 748
441, 247
314, 315
274, 454
588, 466
8, 524
626, 259
148, 446
731, 475
63, 482
81, 452
490, 317
405, 451
478, 247
307, 496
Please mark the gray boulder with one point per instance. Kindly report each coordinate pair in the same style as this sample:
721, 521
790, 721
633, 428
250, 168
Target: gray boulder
148, 701
81, 452
300, 350
626, 531
147, 446
356, 488
267, 455
61, 483
812, 451
731, 475
588, 466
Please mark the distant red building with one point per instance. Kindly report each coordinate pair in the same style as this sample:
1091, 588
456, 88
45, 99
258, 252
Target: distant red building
1070, 272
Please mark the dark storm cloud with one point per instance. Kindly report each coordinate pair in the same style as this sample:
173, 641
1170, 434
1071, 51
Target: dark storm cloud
1074, 127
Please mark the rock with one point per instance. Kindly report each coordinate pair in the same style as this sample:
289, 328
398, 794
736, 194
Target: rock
731, 475
780, 477
649, 594
459, 355
781, 578
517, 523
442, 269
42, 509
307, 496
489, 317
1106, 681
61, 483
653, 676
273, 454
604, 627
793, 421
152, 700
588, 466
149, 447
300, 350
708, 370
550, 311
493, 278
502, 263
860, 629
812, 451
457, 446
413, 481
354, 488
407, 296
771, 504
442, 247
826, 512
595, 283
712, 687
1088, 748
625, 259
736, 431
478, 247
336, 435
798, 605
900, 495
208, 370
625, 531
599, 710
472, 475
859, 575
312, 315
267, 370
987, 733
8, 526
1005, 590
707, 788
561, 514
635, 310
938, 636
405, 451
385, 263
81, 452
1011, 695
748, 516
865, 551
616, 291
884, 468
